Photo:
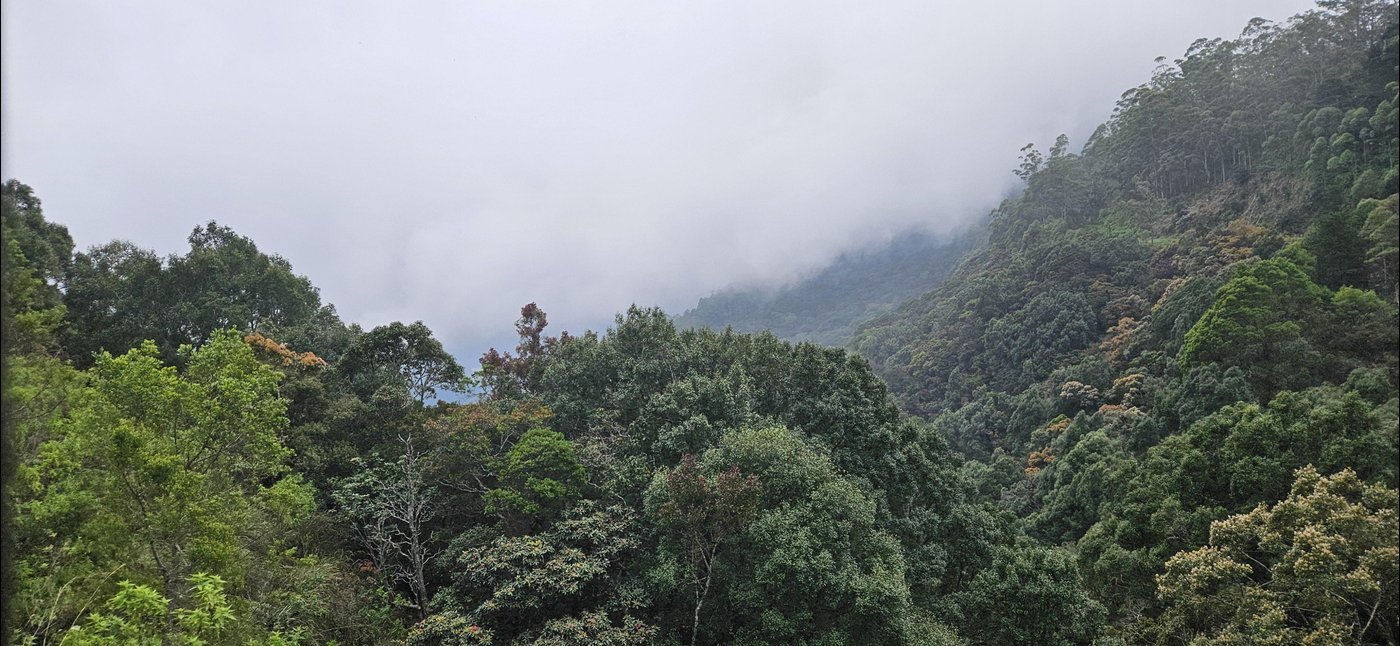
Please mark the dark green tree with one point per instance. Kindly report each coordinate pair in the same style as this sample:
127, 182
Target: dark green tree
1030, 595
698, 512
399, 362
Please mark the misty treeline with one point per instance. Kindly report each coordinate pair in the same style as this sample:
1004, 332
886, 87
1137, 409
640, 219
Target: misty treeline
1157, 404
827, 306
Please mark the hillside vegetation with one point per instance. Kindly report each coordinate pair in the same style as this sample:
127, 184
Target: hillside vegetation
1185, 324
1158, 405
827, 307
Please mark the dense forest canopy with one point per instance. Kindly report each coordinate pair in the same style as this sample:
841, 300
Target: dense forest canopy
1155, 404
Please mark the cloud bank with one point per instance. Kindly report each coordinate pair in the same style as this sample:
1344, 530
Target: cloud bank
451, 161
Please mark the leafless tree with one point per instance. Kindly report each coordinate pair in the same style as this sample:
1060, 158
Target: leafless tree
392, 509
409, 503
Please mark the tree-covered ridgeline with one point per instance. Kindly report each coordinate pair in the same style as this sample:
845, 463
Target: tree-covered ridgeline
827, 306
1164, 330
1157, 404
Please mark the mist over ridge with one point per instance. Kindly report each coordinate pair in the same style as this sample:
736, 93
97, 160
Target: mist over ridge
471, 159
827, 306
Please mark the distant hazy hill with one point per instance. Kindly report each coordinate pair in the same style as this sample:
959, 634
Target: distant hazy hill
826, 308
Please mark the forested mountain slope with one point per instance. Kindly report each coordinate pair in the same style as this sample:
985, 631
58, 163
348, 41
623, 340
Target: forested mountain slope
825, 308
1282, 139
1157, 406
1163, 329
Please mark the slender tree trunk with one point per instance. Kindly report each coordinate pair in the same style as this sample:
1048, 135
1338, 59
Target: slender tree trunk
700, 593
419, 583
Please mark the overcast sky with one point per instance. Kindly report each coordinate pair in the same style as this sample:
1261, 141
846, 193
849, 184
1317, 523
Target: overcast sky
451, 161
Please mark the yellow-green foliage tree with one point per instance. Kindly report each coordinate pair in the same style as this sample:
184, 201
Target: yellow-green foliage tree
154, 475
1319, 567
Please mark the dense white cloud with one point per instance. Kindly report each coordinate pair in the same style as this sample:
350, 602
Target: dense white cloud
450, 161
